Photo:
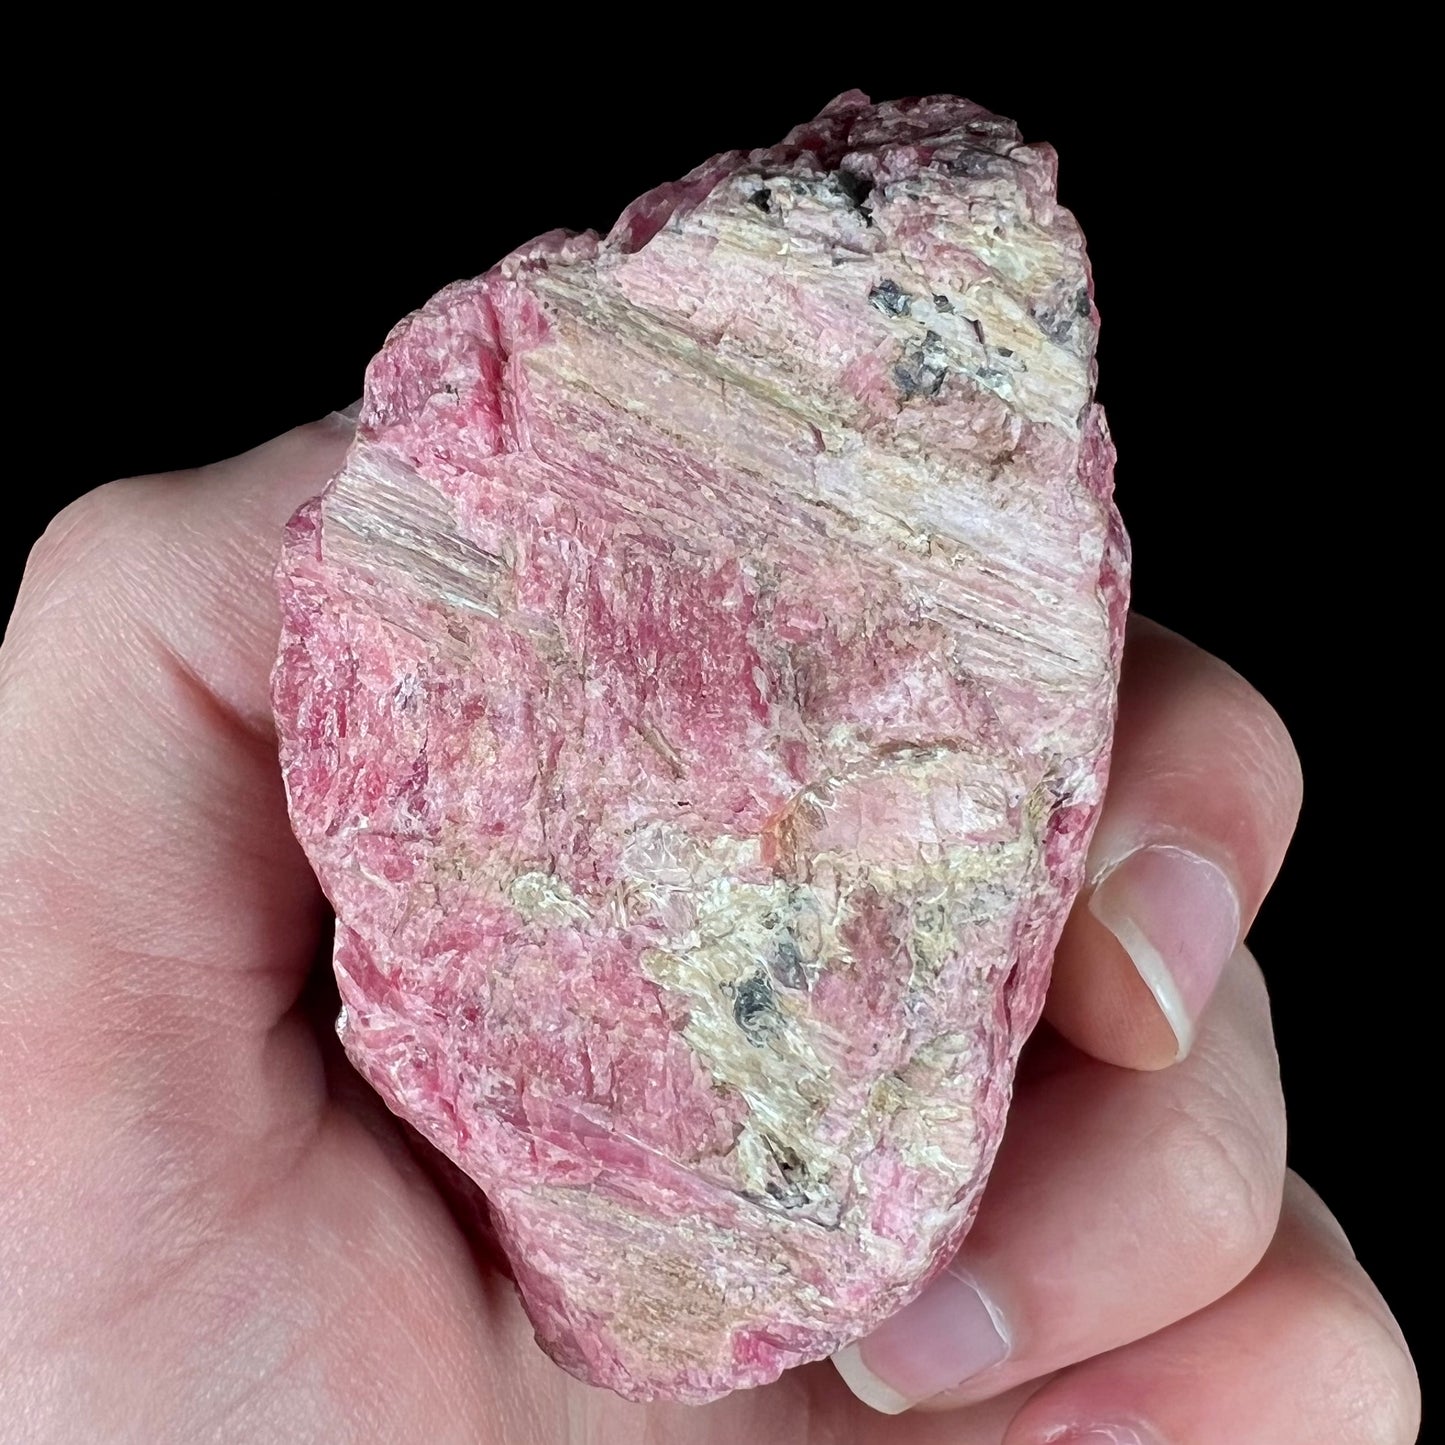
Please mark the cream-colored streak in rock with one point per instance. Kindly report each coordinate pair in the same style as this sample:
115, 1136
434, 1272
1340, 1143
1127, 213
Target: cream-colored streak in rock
544, 898
382, 518
667, 1302
984, 565
744, 966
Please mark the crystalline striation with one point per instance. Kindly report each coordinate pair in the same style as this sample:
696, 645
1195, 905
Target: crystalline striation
695, 698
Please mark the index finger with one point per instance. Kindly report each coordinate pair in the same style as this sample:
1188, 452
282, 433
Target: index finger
151, 879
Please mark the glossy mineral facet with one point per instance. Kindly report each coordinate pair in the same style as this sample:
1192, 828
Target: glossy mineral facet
695, 698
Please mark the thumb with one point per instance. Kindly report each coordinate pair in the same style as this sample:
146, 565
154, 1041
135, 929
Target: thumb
1203, 798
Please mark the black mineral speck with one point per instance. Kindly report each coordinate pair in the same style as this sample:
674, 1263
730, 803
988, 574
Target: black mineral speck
917, 377
856, 189
1055, 325
787, 964
922, 369
790, 1190
942, 303
754, 1008
790, 1197
971, 163
762, 199
890, 299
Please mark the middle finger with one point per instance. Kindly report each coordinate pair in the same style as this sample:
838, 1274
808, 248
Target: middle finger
1120, 1203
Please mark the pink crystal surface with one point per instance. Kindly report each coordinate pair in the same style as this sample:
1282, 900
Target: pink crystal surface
695, 698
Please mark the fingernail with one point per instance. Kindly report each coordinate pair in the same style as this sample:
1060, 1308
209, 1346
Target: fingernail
1105, 1435
1177, 917
949, 1334
344, 420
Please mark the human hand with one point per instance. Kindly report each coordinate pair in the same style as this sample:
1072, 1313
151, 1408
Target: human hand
213, 1231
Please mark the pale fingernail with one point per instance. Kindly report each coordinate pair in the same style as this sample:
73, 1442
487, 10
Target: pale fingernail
1177, 917
1105, 1435
949, 1334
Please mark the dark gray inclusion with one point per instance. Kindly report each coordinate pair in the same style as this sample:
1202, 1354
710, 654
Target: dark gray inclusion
890, 299
791, 1192
787, 964
754, 1009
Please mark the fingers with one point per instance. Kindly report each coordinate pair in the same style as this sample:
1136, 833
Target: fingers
1304, 1351
1203, 795
1120, 1203
152, 884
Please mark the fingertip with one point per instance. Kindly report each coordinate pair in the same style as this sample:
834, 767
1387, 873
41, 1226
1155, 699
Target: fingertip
951, 1333
864, 1384
1203, 798
1099, 1002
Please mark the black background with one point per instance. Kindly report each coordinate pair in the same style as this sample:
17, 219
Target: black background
215, 258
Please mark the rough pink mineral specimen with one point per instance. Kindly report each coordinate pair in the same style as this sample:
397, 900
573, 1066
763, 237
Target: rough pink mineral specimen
695, 698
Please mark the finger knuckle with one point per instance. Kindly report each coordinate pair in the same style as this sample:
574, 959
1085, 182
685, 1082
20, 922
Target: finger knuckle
96, 528
1261, 742
1223, 1180
1248, 728
1277, 762
94, 549
1366, 1389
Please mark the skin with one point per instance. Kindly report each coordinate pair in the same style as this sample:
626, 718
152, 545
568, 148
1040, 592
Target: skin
212, 1231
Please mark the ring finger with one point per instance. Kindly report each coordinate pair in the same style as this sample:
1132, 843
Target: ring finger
1121, 1202
1304, 1351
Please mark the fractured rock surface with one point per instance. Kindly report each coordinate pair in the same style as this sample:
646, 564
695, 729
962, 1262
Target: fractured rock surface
695, 697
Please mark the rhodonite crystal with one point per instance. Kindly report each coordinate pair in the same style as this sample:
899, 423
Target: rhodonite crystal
695, 698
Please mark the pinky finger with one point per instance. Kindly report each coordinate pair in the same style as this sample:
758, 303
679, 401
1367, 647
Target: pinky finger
1304, 1351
